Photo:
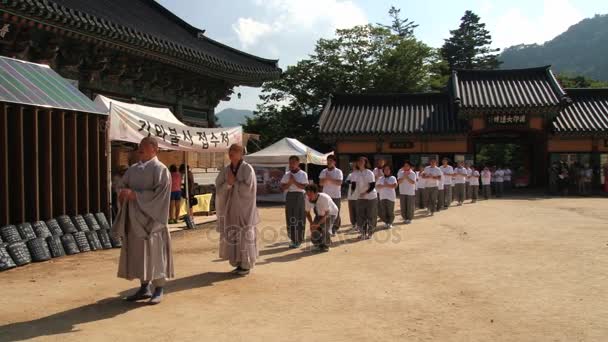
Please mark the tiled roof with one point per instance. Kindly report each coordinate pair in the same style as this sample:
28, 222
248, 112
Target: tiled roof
146, 25
588, 112
507, 90
390, 114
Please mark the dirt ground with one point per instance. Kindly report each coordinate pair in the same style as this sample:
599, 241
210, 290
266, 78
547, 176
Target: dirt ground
519, 269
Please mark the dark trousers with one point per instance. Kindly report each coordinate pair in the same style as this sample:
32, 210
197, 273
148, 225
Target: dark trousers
500, 189
474, 192
386, 211
337, 220
321, 237
408, 204
467, 190
440, 199
459, 192
431, 196
420, 198
352, 212
486, 191
367, 215
295, 216
447, 195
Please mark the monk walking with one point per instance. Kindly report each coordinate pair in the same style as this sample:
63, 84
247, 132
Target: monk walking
237, 212
141, 223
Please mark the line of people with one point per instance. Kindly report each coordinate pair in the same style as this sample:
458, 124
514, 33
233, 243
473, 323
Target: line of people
372, 194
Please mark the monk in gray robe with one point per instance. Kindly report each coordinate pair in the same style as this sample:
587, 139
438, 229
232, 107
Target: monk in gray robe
237, 212
141, 223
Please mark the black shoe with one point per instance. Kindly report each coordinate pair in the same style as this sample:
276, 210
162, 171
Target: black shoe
243, 272
141, 294
157, 297
236, 270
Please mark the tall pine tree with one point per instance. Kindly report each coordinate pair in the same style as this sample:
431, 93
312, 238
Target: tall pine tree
469, 45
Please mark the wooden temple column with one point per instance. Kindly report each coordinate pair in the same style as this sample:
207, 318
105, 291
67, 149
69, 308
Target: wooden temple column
5, 216
46, 161
58, 146
84, 184
71, 163
95, 171
16, 164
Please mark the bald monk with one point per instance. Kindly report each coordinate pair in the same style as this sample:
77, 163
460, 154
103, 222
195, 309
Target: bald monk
237, 212
141, 223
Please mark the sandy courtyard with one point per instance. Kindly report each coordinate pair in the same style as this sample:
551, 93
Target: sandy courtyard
521, 269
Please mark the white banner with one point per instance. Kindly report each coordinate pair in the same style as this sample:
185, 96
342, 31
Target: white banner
132, 126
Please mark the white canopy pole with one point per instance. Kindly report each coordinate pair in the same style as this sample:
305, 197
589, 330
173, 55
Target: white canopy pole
109, 166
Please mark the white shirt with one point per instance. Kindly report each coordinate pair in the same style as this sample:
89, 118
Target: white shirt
378, 172
469, 172
508, 175
352, 195
364, 177
300, 177
461, 174
387, 193
486, 177
420, 183
433, 172
474, 178
333, 190
448, 171
406, 188
499, 176
323, 205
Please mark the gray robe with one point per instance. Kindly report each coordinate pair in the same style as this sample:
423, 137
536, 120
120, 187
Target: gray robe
142, 224
237, 215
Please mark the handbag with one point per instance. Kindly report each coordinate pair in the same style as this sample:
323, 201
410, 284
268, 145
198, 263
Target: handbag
193, 201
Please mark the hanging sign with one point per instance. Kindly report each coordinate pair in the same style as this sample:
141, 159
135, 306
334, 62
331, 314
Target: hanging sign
132, 126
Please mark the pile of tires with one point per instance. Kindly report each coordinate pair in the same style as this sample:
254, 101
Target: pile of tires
42, 241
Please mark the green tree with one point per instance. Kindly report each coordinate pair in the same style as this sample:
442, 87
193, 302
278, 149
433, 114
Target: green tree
568, 81
469, 45
401, 27
362, 59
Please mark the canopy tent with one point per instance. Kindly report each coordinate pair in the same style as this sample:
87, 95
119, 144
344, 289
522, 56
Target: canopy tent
131, 123
277, 154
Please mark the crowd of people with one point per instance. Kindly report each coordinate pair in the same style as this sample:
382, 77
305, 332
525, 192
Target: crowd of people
573, 179
372, 194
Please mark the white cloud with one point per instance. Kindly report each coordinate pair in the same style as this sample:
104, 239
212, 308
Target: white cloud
250, 31
515, 26
311, 17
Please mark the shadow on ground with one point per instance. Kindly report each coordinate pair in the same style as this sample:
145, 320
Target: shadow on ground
66, 321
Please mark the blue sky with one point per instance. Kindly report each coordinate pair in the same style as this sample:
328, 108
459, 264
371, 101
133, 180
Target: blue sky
288, 29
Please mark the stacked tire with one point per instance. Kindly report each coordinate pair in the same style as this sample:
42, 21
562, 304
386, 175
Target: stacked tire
42, 241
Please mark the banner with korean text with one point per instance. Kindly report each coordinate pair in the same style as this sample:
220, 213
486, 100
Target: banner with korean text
130, 125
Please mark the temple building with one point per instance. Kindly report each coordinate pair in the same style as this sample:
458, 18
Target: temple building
525, 108
133, 51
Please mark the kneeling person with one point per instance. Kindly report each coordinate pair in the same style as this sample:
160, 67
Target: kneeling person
325, 215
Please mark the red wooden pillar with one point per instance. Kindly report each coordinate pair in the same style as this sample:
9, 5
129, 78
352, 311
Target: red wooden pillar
58, 138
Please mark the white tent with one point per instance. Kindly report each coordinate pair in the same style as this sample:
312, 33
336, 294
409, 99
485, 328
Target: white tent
277, 154
131, 123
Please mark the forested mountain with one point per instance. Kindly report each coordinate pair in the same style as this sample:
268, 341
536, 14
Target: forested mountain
581, 50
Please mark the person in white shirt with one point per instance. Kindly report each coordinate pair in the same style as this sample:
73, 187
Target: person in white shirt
500, 181
467, 183
325, 211
474, 180
420, 193
448, 173
508, 185
352, 200
367, 202
406, 178
486, 180
331, 181
378, 170
587, 180
432, 175
440, 192
386, 186
293, 182
460, 176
